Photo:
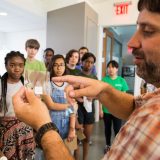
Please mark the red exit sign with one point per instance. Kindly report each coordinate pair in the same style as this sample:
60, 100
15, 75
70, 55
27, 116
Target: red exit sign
122, 7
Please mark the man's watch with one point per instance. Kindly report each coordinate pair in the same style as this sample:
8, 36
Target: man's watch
42, 130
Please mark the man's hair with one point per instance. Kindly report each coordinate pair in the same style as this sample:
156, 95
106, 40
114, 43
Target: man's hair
87, 55
113, 63
83, 47
150, 5
69, 55
12, 54
32, 43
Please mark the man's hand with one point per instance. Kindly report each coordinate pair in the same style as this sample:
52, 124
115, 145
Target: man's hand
30, 109
81, 86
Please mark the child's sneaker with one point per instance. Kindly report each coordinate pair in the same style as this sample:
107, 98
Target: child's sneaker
106, 149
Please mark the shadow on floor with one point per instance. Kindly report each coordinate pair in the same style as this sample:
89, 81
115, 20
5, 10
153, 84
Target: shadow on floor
96, 149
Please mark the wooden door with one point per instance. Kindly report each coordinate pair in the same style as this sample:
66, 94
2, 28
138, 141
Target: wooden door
108, 41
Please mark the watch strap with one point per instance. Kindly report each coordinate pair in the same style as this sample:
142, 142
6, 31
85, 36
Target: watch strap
42, 130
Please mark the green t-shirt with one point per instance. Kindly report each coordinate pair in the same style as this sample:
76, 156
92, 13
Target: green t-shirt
119, 83
75, 72
35, 65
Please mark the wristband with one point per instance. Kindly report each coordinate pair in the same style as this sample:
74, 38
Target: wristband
42, 130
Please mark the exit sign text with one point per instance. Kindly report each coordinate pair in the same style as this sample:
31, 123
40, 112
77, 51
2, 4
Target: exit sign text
121, 8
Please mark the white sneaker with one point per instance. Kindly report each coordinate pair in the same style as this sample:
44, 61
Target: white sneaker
90, 142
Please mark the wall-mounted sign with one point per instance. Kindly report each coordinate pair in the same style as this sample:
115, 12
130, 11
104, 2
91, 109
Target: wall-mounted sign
122, 7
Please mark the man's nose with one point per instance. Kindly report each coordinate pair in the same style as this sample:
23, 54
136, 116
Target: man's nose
135, 41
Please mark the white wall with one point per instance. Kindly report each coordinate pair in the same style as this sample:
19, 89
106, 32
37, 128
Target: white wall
1, 39
16, 41
107, 16
3, 50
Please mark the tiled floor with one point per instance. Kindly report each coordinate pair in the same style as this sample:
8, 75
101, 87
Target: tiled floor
96, 149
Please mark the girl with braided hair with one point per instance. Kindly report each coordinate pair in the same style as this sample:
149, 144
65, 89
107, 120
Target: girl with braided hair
16, 138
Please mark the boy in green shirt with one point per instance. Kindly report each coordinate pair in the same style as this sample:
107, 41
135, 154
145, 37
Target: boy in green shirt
32, 46
120, 84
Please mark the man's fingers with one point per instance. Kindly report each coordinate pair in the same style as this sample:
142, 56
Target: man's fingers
31, 98
66, 78
81, 92
70, 79
19, 96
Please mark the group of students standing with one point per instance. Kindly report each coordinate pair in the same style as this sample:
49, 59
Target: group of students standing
16, 138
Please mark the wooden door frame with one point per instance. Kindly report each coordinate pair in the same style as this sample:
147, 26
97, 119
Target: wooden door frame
106, 33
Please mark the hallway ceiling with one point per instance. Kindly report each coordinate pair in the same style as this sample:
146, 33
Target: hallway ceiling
26, 15
31, 14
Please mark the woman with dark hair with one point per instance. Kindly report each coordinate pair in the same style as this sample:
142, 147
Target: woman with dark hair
120, 84
53, 62
82, 51
64, 119
16, 138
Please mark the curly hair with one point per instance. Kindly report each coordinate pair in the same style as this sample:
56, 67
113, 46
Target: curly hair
12, 54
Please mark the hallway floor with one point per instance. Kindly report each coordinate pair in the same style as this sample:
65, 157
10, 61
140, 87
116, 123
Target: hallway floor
96, 149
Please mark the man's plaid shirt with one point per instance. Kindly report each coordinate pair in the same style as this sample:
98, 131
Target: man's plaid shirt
139, 138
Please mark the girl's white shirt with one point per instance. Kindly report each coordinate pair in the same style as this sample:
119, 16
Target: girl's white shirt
11, 90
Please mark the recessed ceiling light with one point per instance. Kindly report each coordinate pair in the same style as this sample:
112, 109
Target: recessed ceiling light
3, 14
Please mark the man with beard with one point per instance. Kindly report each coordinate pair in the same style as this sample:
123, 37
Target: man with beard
139, 138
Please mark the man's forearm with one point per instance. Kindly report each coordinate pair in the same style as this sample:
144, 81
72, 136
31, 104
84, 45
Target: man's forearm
54, 148
118, 103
